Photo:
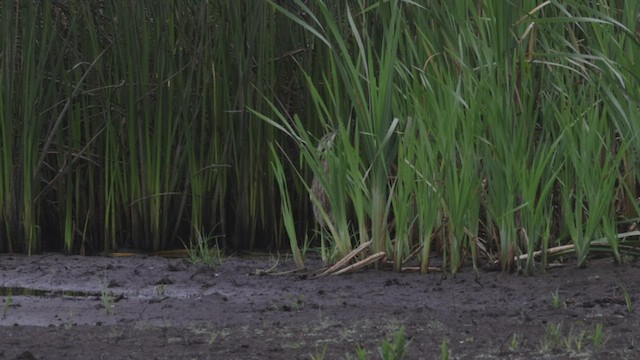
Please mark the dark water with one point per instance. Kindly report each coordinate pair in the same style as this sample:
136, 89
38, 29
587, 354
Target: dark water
22, 291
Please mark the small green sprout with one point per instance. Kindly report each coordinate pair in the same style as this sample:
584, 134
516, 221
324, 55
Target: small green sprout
627, 299
555, 299
445, 352
7, 304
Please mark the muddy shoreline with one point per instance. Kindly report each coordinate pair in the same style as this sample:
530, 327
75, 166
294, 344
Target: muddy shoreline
153, 307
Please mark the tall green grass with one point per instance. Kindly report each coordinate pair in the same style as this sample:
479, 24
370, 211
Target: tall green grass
492, 129
126, 125
483, 133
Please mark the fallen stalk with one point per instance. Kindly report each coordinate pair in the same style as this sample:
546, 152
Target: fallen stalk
362, 263
571, 247
345, 260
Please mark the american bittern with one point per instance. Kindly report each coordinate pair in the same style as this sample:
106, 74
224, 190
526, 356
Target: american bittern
324, 146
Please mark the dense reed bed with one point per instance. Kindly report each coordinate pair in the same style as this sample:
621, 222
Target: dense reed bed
484, 132
126, 123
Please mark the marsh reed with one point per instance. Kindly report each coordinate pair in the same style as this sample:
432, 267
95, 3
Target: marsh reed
483, 132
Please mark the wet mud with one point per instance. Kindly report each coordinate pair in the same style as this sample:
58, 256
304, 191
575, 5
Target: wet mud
71, 307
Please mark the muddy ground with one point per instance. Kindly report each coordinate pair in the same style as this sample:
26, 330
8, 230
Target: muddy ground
146, 307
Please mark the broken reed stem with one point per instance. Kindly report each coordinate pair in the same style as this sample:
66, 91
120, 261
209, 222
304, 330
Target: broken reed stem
569, 247
345, 260
362, 263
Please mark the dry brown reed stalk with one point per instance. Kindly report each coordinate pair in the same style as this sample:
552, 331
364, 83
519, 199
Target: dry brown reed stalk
345, 260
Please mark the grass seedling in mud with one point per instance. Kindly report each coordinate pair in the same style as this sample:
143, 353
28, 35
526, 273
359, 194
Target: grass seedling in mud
554, 334
320, 354
214, 335
578, 340
204, 249
575, 340
361, 354
394, 349
556, 302
7, 304
627, 299
296, 302
598, 338
445, 351
516, 342
107, 301
210, 335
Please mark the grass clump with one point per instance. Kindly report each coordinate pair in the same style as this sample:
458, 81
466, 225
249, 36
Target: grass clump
578, 339
320, 354
394, 349
204, 250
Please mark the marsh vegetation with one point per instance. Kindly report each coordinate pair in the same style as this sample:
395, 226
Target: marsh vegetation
488, 133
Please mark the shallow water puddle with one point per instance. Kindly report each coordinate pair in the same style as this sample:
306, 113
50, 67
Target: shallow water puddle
22, 291
158, 293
